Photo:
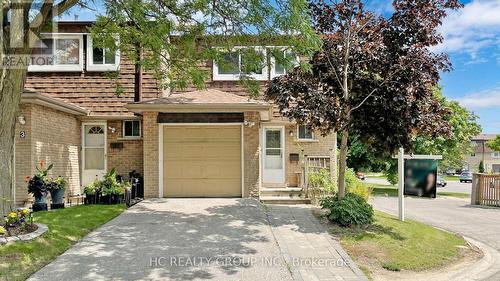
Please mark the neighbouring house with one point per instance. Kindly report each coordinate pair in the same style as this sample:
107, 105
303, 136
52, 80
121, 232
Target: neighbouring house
216, 142
490, 158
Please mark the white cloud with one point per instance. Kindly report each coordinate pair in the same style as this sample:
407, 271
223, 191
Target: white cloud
471, 29
482, 100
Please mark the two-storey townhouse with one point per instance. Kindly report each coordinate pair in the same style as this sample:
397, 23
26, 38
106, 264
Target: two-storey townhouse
490, 158
216, 142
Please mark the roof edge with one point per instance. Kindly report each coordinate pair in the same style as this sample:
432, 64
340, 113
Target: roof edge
224, 107
51, 102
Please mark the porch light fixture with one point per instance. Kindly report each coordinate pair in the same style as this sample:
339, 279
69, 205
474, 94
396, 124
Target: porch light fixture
21, 120
290, 133
112, 129
249, 123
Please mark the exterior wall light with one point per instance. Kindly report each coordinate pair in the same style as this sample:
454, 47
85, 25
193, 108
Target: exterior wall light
21, 120
249, 123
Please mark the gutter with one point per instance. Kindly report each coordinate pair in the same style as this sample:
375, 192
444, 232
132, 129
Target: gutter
54, 103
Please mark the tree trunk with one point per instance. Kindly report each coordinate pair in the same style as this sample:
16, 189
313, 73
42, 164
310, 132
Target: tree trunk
11, 86
342, 163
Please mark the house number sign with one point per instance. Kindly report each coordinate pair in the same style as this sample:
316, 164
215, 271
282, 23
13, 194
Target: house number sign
22, 134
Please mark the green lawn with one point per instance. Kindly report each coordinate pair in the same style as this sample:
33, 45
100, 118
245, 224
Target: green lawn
66, 226
392, 190
451, 178
395, 245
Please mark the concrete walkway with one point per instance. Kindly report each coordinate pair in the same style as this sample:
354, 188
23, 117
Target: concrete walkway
455, 215
202, 239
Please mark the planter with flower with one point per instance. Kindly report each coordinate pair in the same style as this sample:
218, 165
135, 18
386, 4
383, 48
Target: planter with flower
92, 192
38, 185
112, 190
17, 223
56, 188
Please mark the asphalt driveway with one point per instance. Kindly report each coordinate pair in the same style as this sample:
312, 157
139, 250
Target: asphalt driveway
200, 239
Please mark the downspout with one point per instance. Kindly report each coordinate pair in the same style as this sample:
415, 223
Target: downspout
138, 76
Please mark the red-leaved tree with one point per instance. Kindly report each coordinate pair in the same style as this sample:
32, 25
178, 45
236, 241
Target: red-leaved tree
374, 76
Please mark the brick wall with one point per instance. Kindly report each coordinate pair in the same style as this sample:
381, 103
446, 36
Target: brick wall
150, 141
52, 136
251, 156
127, 158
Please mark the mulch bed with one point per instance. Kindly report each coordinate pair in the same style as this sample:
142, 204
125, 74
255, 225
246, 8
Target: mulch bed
19, 230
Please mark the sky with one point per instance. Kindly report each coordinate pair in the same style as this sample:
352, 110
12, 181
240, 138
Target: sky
472, 41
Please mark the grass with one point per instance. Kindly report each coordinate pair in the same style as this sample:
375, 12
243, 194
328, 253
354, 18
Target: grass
451, 178
395, 245
20, 260
392, 191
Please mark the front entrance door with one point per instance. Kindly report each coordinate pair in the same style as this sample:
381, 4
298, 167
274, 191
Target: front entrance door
273, 166
93, 151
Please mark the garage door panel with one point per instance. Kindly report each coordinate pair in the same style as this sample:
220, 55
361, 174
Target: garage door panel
202, 161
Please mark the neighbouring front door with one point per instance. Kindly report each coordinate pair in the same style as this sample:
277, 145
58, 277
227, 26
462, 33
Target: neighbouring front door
93, 151
273, 170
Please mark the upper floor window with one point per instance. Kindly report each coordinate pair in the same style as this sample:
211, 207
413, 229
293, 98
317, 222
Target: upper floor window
101, 59
241, 61
495, 154
304, 133
281, 61
132, 128
58, 52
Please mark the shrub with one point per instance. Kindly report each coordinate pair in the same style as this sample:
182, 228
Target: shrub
350, 210
322, 179
2, 230
356, 186
481, 166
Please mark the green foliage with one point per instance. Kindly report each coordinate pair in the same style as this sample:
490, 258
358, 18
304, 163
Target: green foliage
39, 184
494, 144
391, 266
322, 179
179, 37
92, 188
350, 210
356, 186
481, 166
110, 185
2, 230
59, 183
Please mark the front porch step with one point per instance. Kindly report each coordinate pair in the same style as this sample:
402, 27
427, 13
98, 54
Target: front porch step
284, 200
281, 192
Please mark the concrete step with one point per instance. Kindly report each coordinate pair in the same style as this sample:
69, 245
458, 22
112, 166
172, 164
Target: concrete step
281, 192
283, 200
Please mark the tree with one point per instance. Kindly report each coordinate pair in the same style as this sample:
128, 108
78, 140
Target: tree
481, 167
453, 147
373, 77
168, 38
494, 144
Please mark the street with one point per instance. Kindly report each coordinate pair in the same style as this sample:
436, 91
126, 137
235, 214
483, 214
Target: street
451, 186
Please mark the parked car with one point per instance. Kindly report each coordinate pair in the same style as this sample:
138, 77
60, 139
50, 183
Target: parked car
360, 176
440, 182
465, 177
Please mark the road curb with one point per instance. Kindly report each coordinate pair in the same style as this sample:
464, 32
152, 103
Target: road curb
484, 268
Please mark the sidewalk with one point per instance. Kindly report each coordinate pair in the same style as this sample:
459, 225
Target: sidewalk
308, 248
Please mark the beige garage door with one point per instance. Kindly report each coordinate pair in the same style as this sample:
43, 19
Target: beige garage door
202, 161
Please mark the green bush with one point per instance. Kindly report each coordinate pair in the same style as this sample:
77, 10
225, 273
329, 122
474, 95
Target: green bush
322, 179
350, 210
481, 166
356, 186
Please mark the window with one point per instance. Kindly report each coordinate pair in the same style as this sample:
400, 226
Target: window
495, 154
58, 52
99, 59
249, 61
278, 66
473, 154
304, 133
131, 128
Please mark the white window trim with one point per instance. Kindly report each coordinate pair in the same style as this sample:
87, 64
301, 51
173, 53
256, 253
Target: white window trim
312, 139
234, 77
495, 154
273, 73
100, 67
131, 137
62, 68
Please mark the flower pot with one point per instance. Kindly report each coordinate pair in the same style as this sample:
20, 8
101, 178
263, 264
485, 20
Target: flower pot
40, 199
57, 196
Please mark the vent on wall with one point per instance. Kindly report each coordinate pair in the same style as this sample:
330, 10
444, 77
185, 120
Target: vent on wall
116, 145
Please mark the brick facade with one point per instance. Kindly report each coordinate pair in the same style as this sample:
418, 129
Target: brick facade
151, 168
52, 136
127, 158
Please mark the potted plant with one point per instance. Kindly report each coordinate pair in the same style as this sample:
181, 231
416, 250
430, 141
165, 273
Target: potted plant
92, 192
112, 190
38, 186
57, 188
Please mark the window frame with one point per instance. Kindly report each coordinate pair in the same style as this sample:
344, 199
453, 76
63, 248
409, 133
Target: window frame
495, 154
61, 67
234, 77
131, 137
272, 72
304, 139
100, 67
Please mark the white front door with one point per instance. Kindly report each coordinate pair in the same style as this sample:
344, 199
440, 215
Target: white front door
273, 166
93, 152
